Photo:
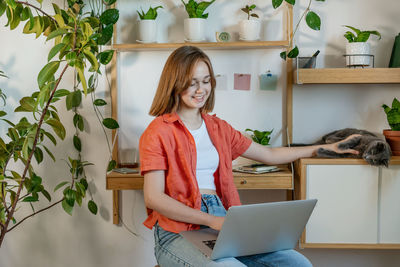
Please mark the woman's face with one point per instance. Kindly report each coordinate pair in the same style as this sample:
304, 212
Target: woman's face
199, 90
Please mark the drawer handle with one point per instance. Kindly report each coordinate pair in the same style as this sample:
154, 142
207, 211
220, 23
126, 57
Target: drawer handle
243, 182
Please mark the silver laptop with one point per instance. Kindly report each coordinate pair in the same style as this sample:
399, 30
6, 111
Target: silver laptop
254, 229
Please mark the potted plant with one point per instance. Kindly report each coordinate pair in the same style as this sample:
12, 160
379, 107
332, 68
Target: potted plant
358, 45
78, 39
147, 25
249, 29
260, 137
194, 25
392, 135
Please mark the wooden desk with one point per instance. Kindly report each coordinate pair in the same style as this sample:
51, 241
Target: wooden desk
275, 180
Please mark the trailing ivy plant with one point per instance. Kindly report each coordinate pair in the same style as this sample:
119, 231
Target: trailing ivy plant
312, 19
77, 38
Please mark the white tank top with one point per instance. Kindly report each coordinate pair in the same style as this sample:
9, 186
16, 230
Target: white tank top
207, 158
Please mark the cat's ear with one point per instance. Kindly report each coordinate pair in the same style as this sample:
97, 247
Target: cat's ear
380, 146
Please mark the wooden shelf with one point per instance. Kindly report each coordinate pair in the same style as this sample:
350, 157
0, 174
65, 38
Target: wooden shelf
274, 180
346, 75
208, 45
395, 160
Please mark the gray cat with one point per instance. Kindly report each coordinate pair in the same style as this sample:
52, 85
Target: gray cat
371, 148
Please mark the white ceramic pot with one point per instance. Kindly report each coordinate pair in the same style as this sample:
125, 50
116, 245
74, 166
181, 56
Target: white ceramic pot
194, 29
357, 48
249, 30
147, 31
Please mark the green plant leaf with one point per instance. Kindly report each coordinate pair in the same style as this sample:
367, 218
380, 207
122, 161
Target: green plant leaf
349, 36
396, 104
111, 165
78, 122
292, 2
357, 31
70, 197
110, 16
55, 50
294, 52
362, 37
68, 209
27, 104
92, 59
105, 35
49, 153
110, 123
105, 57
84, 183
313, 21
47, 73
11, 3
276, 3
99, 102
30, 199
60, 185
83, 79
92, 207
58, 128
3, 7
283, 55
74, 99
57, 32
38, 155
2, 113
61, 93
46, 195
51, 137
77, 143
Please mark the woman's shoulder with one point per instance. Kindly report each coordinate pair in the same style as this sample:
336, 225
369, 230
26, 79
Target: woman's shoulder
215, 119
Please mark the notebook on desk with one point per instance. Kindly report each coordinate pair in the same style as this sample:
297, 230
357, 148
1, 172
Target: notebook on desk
254, 229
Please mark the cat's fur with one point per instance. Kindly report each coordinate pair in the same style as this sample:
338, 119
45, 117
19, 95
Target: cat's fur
371, 148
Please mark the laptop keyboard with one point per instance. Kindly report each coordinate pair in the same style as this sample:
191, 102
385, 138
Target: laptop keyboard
210, 243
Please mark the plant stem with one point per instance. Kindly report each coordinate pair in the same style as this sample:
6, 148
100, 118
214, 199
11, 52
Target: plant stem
33, 214
11, 213
298, 24
38, 9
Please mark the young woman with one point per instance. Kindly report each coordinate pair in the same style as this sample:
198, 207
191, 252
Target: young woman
186, 159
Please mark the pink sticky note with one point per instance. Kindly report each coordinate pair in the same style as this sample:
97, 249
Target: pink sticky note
241, 81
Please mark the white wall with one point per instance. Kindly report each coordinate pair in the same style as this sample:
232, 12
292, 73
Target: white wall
57, 239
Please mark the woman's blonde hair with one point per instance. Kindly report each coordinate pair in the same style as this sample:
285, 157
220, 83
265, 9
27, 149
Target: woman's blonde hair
176, 77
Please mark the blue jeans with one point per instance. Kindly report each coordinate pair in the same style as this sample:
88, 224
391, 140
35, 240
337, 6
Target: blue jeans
171, 250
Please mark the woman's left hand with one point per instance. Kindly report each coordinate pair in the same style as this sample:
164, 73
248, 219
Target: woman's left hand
335, 146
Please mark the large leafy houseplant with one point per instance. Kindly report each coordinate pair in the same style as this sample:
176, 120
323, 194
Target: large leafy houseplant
78, 38
312, 19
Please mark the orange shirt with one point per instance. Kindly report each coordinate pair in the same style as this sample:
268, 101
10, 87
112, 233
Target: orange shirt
167, 145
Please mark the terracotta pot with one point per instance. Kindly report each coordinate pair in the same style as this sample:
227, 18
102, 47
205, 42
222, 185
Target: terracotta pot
393, 139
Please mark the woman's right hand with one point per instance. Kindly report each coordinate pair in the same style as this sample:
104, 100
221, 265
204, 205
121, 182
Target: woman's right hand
216, 223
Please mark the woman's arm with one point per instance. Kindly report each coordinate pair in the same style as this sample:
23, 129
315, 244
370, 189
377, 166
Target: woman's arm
281, 155
156, 199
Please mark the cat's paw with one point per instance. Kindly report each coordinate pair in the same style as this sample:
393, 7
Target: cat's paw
349, 144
